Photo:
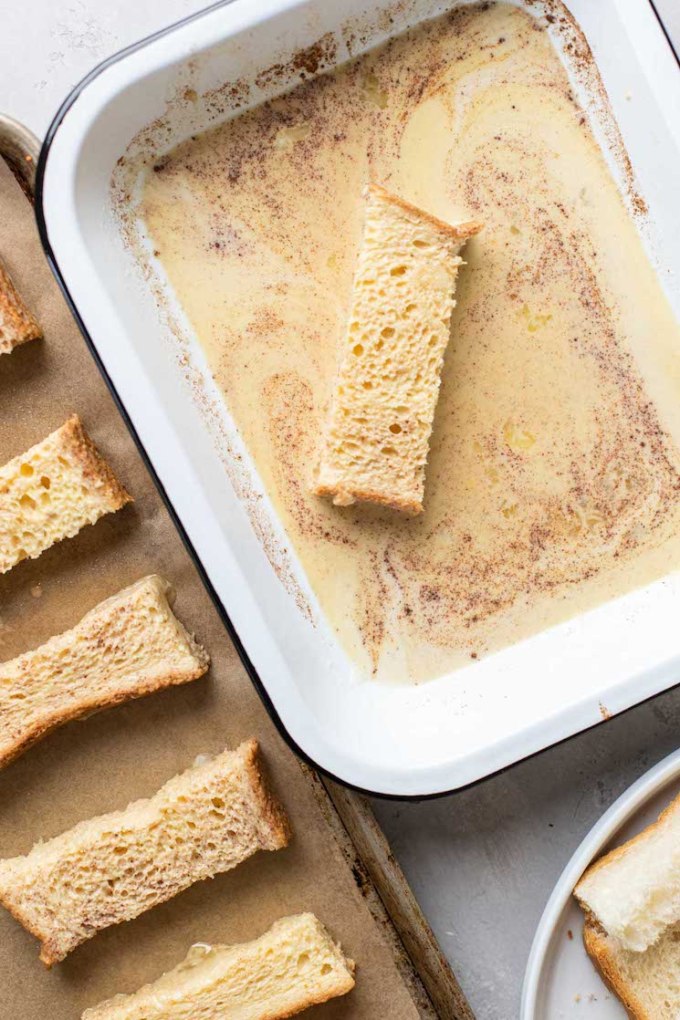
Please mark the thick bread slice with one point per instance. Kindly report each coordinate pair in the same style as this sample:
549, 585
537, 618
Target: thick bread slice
125, 647
648, 984
17, 323
634, 891
52, 491
293, 966
377, 435
112, 868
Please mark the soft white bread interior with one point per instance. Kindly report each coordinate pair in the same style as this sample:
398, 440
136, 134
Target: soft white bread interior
294, 965
648, 984
377, 435
129, 645
53, 490
17, 324
634, 891
112, 868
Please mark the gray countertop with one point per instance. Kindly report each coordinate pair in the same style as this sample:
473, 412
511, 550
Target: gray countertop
481, 862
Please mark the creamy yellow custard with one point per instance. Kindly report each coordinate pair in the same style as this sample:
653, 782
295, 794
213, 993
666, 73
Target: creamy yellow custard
554, 469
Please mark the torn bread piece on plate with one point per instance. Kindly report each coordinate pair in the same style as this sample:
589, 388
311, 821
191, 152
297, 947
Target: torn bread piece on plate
648, 983
633, 893
17, 324
110, 869
52, 491
294, 965
631, 899
376, 439
129, 645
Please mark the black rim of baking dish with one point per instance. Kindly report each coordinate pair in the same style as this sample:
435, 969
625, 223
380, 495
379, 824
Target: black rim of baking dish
219, 606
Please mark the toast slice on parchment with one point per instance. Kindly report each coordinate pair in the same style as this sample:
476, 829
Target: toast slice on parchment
52, 491
294, 965
110, 869
377, 436
18, 325
129, 645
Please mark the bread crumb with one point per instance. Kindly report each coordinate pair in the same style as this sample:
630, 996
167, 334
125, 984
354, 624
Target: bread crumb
36, 591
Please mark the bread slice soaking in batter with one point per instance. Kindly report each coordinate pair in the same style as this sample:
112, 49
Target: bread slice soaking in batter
377, 437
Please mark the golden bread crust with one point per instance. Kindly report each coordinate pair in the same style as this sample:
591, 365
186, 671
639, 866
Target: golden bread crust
92, 464
273, 814
595, 943
369, 496
18, 325
93, 626
459, 231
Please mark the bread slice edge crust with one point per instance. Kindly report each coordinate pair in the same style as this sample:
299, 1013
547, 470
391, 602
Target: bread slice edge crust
92, 464
348, 491
595, 942
355, 495
18, 324
274, 817
17, 913
459, 231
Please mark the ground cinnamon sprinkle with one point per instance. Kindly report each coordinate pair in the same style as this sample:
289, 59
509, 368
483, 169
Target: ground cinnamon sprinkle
552, 481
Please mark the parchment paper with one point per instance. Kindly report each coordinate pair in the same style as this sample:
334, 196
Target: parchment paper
101, 763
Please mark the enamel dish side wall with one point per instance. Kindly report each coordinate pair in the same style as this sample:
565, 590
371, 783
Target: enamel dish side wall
394, 740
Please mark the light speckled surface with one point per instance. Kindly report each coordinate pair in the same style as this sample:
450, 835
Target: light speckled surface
482, 862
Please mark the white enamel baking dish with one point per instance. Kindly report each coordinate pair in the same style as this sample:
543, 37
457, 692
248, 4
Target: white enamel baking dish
391, 740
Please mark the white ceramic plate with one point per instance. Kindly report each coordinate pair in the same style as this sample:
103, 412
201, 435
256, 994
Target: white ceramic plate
560, 981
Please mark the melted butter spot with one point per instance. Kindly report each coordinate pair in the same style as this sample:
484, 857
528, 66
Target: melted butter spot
379, 96
534, 320
288, 136
518, 438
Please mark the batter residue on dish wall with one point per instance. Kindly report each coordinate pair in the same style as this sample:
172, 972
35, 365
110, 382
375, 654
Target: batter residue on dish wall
553, 477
